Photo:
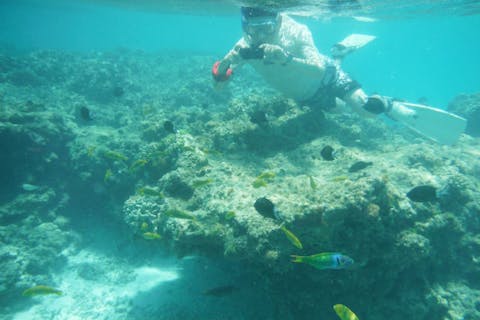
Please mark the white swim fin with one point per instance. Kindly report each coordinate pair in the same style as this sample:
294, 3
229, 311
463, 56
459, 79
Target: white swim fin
436, 124
350, 44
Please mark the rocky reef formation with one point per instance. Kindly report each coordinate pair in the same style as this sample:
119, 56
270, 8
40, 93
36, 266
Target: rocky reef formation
468, 106
82, 131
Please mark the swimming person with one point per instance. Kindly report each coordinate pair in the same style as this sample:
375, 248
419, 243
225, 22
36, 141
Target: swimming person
282, 50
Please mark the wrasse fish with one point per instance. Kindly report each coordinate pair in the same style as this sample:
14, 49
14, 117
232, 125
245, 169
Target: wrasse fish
114, 155
325, 260
138, 164
179, 214
151, 236
147, 191
344, 313
41, 291
293, 238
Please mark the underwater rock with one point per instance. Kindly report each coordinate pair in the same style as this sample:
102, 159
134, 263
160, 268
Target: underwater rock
30, 187
424, 193
456, 193
118, 91
327, 153
414, 246
468, 106
259, 117
174, 186
458, 298
220, 291
90, 271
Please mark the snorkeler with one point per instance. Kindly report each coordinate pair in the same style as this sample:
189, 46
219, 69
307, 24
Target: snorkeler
283, 52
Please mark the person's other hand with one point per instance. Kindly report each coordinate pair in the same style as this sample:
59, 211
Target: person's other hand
221, 71
274, 54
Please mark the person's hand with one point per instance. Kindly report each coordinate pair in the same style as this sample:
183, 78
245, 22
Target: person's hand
221, 71
274, 54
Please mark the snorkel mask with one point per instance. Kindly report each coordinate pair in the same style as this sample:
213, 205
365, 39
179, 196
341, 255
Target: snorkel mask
259, 24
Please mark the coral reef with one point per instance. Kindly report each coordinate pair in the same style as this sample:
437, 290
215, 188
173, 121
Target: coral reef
468, 106
190, 188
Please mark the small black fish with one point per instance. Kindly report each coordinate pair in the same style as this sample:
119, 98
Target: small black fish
169, 127
259, 117
359, 165
265, 207
424, 193
118, 91
327, 153
422, 100
220, 291
85, 113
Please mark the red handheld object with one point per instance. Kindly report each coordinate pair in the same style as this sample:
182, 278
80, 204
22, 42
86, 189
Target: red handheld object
220, 77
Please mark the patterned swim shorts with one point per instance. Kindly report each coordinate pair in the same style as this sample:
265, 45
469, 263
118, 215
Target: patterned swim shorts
335, 84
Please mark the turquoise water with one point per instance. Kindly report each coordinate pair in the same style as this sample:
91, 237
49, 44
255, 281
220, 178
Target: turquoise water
129, 180
433, 56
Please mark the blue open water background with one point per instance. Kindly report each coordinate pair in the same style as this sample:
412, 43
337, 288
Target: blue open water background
434, 56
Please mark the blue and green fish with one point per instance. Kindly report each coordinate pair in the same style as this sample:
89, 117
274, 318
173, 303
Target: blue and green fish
325, 260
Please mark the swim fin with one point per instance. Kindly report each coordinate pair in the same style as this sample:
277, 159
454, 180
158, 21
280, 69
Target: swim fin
350, 44
436, 124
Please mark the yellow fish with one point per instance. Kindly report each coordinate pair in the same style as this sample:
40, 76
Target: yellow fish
313, 185
146, 191
108, 175
151, 236
344, 313
137, 165
114, 155
179, 214
41, 291
293, 238
144, 227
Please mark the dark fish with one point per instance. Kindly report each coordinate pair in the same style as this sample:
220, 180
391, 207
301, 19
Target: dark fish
265, 207
118, 91
327, 153
169, 127
422, 100
259, 117
220, 291
424, 193
359, 165
85, 113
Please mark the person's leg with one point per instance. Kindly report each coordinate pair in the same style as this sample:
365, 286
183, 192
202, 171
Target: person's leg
356, 100
376, 104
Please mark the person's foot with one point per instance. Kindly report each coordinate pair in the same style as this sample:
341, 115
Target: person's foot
378, 104
400, 111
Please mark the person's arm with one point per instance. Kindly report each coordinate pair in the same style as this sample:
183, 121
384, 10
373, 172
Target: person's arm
298, 51
223, 69
306, 53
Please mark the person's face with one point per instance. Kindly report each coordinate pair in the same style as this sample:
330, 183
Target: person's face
260, 30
